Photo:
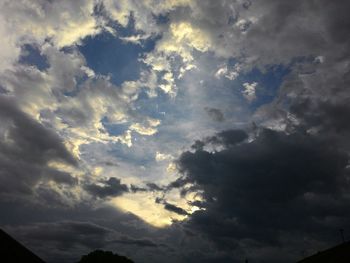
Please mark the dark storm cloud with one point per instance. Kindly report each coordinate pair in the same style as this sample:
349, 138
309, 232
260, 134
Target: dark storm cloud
223, 138
324, 114
313, 104
215, 114
316, 32
154, 187
150, 187
171, 207
36, 143
62, 241
62, 177
109, 188
79, 233
66, 241
228, 138
287, 30
26, 147
136, 242
135, 189
175, 209
276, 186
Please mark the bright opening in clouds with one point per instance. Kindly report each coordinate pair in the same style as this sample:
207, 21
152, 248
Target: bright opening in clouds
175, 130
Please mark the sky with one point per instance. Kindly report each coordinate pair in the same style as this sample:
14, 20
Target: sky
175, 130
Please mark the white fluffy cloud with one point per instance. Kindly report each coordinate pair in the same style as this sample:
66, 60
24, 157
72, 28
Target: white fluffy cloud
249, 91
62, 23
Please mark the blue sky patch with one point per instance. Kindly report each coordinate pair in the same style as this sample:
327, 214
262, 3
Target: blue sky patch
31, 56
114, 129
109, 55
269, 83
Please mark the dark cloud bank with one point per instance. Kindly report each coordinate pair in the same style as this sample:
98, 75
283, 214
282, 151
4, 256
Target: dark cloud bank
275, 191
276, 195
110, 188
26, 148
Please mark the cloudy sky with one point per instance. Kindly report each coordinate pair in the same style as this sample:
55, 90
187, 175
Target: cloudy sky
175, 130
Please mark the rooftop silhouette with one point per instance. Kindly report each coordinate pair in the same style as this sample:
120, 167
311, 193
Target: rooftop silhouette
11, 251
337, 254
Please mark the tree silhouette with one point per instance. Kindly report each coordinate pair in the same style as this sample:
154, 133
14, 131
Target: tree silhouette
100, 256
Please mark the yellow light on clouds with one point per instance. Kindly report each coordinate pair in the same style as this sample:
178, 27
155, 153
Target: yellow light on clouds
143, 206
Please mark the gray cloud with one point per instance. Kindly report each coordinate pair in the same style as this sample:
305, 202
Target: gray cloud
26, 149
154, 187
266, 198
311, 104
175, 209
171, 207
151, 187
228, 138
37, 143
223, 138
66, 241
215, 114
249, 187
109, 188
136, 242
64, 231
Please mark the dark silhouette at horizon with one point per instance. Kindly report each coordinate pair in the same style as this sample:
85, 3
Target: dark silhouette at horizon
99, 256
336, 254
11, 251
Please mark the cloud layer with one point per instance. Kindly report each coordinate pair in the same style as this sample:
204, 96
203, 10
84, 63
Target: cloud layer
195, 130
